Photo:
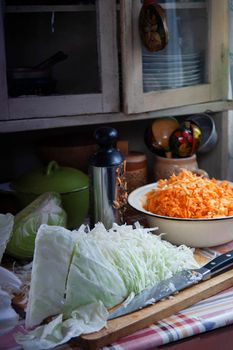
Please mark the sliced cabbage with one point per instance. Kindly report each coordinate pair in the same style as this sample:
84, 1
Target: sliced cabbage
111, 265
80, 274
87, 319
92, 277
6, 226
53, 251
8, 317
45, 209
9, 283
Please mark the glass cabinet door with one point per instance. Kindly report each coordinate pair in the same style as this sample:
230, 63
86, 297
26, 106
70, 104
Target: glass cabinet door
60, 57
192, 67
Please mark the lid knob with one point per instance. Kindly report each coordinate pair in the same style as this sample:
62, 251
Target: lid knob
107, 154
106, 136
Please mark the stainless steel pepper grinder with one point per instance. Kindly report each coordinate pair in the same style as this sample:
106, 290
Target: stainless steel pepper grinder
108, 188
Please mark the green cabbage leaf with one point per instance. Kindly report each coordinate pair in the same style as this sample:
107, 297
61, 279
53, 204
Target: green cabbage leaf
87, 319
45, 209
6, 226
53, 251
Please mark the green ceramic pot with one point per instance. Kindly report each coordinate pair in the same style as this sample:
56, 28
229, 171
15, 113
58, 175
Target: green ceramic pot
72, 184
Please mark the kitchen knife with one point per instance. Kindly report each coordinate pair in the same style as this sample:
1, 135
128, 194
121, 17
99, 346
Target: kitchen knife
171, 286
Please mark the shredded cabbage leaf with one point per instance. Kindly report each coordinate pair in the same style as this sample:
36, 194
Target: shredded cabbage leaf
102, 268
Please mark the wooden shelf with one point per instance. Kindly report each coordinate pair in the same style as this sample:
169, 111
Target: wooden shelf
82, 8
49, 8
16, 125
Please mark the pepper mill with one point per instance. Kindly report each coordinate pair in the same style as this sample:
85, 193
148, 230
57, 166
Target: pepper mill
108, 189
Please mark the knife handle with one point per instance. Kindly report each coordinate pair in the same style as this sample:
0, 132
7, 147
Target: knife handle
219, 264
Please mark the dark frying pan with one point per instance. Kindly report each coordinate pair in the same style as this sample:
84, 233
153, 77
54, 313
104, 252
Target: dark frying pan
35, 80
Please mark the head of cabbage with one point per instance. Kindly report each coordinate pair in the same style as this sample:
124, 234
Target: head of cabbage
45, 209
6, 226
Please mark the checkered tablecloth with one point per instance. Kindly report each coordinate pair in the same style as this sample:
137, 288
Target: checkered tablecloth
212, 313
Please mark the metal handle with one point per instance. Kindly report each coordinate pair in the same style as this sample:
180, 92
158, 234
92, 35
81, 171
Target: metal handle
51, 61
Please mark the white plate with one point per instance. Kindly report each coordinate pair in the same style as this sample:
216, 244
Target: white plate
163, 63
172, 65
175, 69
172, 56
151, 74
172, 82
166, 80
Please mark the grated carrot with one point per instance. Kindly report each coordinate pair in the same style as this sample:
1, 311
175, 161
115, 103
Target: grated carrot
188, 195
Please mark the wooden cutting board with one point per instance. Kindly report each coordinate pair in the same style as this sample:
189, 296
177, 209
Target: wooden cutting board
125, 325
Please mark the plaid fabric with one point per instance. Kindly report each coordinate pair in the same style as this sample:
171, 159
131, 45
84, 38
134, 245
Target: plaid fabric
212, 313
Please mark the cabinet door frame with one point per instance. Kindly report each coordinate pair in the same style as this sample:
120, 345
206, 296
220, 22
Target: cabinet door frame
136, 101
4, 111
67, 105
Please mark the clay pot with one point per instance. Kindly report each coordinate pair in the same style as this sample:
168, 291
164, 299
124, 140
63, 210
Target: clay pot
165, 167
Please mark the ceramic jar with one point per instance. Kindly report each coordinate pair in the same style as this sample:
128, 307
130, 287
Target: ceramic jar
165, 167
136, 170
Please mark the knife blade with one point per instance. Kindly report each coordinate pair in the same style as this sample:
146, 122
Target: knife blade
171, 286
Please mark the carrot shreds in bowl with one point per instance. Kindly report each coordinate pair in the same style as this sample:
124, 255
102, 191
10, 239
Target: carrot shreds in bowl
188, 195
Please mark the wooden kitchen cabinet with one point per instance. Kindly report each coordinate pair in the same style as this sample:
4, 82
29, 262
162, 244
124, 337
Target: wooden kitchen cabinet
104, 78
197, 50
86, 82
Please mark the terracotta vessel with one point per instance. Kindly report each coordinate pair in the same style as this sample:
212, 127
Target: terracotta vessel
165, 167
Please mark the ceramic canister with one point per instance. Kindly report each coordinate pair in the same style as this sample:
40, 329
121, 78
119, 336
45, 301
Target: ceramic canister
136, 170
165, 167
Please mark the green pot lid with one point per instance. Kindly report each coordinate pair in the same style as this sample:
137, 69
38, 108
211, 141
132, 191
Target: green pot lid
51, 178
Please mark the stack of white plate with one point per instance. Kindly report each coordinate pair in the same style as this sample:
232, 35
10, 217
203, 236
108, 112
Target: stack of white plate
170, 71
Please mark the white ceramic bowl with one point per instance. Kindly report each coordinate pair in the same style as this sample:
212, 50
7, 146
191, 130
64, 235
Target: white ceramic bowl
191, 232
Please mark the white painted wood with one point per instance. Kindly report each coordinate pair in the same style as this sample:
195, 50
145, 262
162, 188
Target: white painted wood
75, 8
223, 120
136, 101
107, 118
131, 56
177, 97
215, 162
50, 106
3, 83
219, 49
108, 63
48, 8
